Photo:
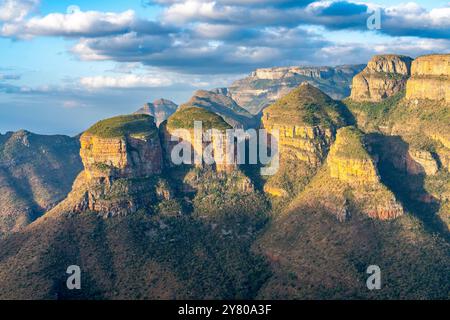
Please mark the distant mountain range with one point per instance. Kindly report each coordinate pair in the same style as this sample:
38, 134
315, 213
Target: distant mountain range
362, 181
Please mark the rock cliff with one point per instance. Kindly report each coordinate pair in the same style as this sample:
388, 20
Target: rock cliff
350, 183
122, 160
181, 125
384, 76
306, 120
264, 86
430, 78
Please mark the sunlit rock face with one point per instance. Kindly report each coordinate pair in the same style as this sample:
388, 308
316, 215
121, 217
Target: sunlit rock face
122, 160
202, 143
349, 183
430, 78
384, 76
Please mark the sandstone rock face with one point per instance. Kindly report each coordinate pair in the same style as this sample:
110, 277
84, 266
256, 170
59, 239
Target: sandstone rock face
383, 77
180, 129
430, 78
160, 109
425, 159
305, 122
305, 140
264, 86
349, 162
351, 171
125, 157
122, 159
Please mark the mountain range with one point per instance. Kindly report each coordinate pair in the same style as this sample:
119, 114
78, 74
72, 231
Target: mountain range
363, 179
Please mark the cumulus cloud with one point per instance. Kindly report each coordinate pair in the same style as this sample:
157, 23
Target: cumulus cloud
16, 10
231, 36
82, 24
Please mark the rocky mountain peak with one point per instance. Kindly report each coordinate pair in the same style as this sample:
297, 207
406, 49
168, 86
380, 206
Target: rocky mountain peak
159, 109
384, 76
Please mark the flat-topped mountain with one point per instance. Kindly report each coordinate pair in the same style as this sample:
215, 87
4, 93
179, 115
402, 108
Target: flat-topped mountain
159, 109
122, 160
384, 76
430, 78
264, 86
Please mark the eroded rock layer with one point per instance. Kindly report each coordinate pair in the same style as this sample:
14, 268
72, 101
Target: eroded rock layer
430, 78
384, 76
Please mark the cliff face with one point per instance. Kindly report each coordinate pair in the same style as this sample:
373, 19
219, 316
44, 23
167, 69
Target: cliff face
430, 78
350, 182
383, 77
306, 120
264, 86
181, 126
121, 168
160, 109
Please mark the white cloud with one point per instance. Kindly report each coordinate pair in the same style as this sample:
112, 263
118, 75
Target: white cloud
16, 10
125, 81
78, 23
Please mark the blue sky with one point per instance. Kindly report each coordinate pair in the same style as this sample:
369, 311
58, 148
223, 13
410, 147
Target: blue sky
66, 64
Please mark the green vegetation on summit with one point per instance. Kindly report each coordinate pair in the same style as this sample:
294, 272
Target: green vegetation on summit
185, 117
116, 127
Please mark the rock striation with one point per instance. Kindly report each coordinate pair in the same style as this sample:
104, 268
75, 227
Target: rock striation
181, 128
305, 121
350, 182
384, 76
430, 78
122, 159
264, 86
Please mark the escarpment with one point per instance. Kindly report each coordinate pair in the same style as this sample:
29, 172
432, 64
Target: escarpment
430, 78
349, 182
304, 123
384, 76
205, 146
264, 86
122, 160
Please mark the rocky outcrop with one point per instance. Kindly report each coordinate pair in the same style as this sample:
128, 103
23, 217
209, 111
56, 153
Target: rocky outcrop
303, 134
305, 122
384, 76
264, 86
160, 109
180, 128
122, 160
430, 78
350, 182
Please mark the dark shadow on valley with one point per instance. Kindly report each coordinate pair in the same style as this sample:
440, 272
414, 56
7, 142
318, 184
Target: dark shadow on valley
409, 189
